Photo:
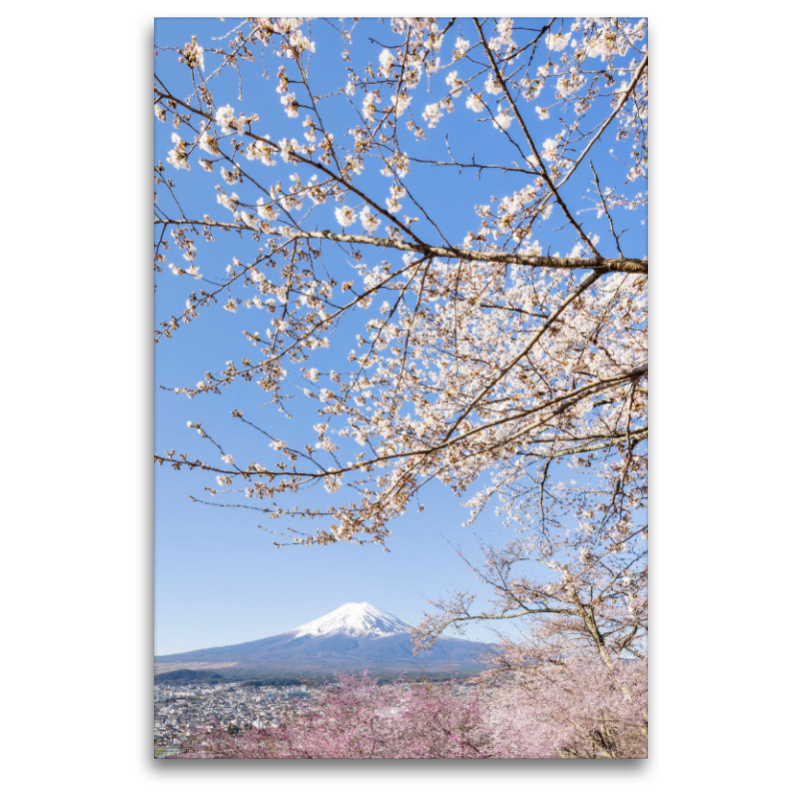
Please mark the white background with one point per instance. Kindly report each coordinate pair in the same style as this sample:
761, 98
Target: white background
77, 364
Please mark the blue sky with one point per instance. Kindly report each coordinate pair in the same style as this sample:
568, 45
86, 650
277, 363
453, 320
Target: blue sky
219, 578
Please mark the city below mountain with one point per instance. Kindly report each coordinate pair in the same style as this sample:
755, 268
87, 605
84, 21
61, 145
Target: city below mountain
354, 637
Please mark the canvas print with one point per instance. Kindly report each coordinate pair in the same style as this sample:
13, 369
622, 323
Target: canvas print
401, 384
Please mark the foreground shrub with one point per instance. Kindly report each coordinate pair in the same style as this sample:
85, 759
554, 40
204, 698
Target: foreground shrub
580, 709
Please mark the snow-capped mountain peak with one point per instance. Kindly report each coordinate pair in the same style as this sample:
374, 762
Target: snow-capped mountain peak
354, 619
356, 636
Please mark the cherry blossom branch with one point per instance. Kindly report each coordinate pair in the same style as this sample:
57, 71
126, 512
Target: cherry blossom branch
620, 103
584, 285
315, 164
569, 398
606, 211
544, 173
633, 266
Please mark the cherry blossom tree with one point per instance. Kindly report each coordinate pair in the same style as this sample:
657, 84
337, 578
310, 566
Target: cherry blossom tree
579, 716
502, 353
580, 670
355, 717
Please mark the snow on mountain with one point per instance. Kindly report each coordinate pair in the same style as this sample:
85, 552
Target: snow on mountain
355, 636
354, 619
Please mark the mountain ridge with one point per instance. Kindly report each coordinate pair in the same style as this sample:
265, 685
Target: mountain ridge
353, 636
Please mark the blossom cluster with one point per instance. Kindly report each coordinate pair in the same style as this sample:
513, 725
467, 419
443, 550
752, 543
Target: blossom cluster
572, 710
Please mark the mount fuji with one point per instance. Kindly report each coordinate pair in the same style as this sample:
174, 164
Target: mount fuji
355, 636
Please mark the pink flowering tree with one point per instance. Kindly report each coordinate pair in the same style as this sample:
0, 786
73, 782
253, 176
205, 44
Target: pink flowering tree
463, 201
575, 685
357, 718
581, 715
